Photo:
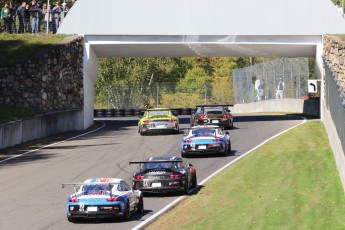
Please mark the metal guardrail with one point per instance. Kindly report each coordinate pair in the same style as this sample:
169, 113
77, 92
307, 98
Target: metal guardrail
335, 101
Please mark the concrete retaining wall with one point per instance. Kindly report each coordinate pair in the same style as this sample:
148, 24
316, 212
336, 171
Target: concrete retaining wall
20, 131
309, 107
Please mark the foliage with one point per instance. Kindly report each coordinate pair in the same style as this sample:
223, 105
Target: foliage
180, 100
221, 91
133, 82
129, 81
194, 82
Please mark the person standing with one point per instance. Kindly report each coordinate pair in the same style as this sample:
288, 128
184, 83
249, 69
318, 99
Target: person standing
56, 12
13, 12
20, 13
40, 17
44, 12
6, 16
27, 18
64, 12
34, 11
280, 89
48, 18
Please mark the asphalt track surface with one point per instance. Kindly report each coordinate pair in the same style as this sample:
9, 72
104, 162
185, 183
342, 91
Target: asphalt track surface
31, 192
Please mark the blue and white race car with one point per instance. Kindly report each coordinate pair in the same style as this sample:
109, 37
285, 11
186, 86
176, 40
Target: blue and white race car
209, 139
103, 198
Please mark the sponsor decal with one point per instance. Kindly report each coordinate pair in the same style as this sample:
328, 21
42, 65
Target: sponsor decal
156, 172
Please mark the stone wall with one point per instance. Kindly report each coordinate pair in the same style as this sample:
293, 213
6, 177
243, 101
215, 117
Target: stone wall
50, 81
334, 53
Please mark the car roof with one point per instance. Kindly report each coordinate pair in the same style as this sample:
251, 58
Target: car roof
163, 158
212, 105
103, 180
157, 109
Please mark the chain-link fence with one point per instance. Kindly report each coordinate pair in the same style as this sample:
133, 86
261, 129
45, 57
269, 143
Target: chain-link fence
170, 94
283, 78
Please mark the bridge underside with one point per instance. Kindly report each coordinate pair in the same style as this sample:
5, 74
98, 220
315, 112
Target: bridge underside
211, 46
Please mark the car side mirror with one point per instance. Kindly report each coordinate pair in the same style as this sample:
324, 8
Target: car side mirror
190, 165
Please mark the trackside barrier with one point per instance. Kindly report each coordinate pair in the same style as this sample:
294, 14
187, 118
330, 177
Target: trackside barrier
20, 131
285, 105
134, 112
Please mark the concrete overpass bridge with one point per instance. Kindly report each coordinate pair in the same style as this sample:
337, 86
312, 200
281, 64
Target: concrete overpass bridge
176, 28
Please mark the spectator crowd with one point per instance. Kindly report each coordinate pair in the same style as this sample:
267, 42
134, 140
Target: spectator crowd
32, 17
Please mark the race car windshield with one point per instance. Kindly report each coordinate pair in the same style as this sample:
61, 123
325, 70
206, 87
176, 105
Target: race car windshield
97, 189
204, 132
160, 165
158, 113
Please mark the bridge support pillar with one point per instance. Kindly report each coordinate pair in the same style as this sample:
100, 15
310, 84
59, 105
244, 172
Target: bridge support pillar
90, 71
319, 73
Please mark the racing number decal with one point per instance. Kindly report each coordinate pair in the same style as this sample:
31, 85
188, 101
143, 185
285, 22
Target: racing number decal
81, 207
145, 182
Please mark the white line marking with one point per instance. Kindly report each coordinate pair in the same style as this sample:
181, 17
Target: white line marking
46, 146
174, 202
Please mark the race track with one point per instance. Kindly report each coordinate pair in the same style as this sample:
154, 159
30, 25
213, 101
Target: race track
32, 196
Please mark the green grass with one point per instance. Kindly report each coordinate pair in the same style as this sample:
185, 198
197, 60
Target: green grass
12, 113
289, 183
16, 47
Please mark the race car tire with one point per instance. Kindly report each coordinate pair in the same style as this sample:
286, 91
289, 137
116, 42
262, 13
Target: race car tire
178, 130
140, 205
127, 213
71, 219
141, 132
194, 183
183, 155
229, 148
186, 187
226, 151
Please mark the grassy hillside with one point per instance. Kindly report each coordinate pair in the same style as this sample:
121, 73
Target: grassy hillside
16, 47
290, 183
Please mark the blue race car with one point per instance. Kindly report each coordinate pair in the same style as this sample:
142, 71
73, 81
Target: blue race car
103, 198
206, 139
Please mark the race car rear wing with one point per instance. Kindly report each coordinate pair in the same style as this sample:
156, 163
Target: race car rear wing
156, 161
